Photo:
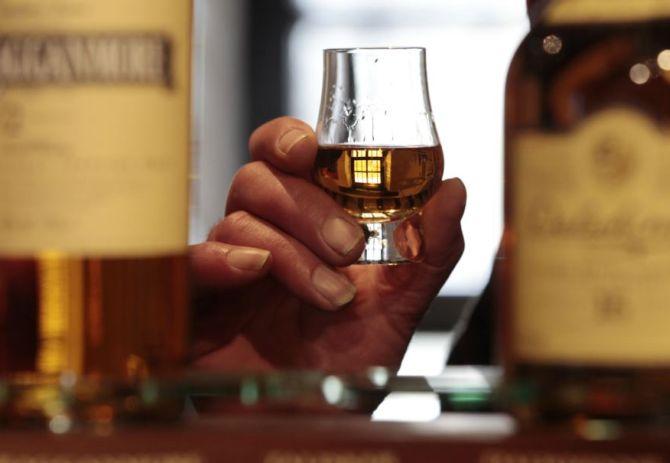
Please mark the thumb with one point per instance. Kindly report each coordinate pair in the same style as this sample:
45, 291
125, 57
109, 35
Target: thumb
440, 223
433, 240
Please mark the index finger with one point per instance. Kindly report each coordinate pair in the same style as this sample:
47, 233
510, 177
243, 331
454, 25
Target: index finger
287, 143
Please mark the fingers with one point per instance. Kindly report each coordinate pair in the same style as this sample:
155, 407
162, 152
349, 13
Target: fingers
300, 209
293, 264
222, 265
286, 143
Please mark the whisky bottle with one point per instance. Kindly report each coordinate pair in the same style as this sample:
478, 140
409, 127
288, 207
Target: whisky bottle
584, 284
94, 143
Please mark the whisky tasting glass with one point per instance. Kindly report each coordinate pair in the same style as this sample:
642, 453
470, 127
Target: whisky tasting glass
379, 154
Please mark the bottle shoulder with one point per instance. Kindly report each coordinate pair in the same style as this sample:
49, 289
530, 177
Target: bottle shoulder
563, 73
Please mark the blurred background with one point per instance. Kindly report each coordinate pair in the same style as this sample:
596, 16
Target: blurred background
259, 59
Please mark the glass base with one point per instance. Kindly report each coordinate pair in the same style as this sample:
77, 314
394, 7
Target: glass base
388, 244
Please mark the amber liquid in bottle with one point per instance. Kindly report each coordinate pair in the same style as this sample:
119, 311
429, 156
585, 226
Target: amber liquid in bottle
573, 255
379, 183
120, 318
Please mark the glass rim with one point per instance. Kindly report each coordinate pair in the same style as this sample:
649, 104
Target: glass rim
354, 50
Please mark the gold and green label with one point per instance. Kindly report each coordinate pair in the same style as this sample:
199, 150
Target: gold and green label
94, 126
592, 261
602, 11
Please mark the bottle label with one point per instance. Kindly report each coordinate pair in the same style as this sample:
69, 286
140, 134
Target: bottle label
94, 126
592, 261
599, 11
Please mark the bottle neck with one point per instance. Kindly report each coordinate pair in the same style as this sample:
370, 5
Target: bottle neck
558, 12
536, 9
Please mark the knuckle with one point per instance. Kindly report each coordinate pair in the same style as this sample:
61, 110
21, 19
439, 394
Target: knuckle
254, 140
304, 197
231, 225
238, 220
250, 173
259, 136
245, 181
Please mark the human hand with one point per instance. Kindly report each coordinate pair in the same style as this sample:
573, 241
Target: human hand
276, 288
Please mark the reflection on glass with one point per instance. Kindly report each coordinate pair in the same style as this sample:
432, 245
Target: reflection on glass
367, 166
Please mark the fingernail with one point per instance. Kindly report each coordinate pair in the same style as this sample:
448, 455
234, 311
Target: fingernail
333, 286
289, 139
248, 259
341, 235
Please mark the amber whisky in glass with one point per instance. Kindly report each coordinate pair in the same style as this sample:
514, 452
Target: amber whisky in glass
379, 154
